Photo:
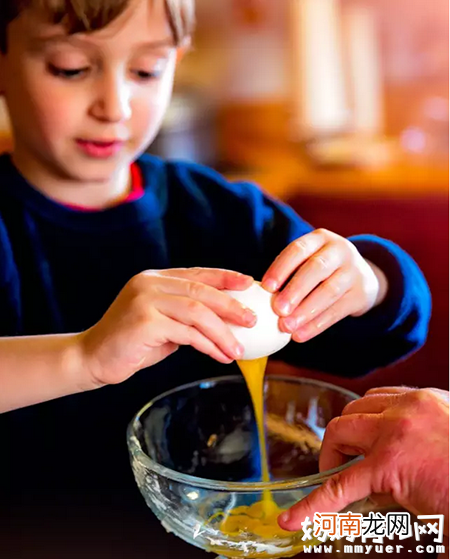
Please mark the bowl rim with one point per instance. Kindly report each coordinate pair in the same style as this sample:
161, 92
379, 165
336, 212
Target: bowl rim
136, 451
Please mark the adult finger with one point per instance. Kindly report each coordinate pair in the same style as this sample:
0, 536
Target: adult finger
358, 432
339, 491
372, 403
390, 390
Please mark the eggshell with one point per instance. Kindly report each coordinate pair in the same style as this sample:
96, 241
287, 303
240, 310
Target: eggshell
265, 338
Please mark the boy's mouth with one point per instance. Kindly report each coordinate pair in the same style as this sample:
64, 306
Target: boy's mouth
101, 149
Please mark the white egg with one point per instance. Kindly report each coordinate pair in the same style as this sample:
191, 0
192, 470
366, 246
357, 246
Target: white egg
265, 338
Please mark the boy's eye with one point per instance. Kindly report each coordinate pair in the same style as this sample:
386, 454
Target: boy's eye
148, 69
143, 75
68, 73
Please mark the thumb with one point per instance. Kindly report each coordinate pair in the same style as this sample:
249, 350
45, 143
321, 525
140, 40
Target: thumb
339, 491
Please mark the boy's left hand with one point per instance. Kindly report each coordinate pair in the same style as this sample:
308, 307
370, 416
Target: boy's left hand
330, 281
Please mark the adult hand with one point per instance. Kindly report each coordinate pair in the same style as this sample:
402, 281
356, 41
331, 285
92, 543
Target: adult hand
403, 434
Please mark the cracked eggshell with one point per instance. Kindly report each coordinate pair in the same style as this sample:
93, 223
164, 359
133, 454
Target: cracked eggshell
265, 338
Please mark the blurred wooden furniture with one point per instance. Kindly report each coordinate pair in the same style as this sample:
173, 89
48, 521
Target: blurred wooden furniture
256, 137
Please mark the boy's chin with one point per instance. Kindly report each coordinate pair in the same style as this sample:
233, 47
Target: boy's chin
98, 171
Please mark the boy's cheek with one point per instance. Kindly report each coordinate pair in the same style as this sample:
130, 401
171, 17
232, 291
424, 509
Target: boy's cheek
48, 107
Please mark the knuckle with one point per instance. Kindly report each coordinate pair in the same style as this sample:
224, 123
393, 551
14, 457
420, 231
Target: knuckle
194, 289
334, 489
423, 400
323, 232
320, 262
334, 289
404, 425
194, 308
138, 283
300, 245
192, 274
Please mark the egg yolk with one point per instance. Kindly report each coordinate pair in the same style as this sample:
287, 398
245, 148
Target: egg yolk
260, 518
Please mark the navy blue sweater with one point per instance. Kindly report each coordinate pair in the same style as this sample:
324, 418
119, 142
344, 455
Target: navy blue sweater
60, 269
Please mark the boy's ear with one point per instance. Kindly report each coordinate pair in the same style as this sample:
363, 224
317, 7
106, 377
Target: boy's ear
182, 50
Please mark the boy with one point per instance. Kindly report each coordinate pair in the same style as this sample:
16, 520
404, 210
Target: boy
97, 251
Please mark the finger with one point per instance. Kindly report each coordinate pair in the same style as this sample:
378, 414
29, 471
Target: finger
214, 277
219, 302
181, 334
339, 491
320, 266
291, 258
322, 298
355, 432
340, 310
399, 390
390, 390
372, 403
194, 313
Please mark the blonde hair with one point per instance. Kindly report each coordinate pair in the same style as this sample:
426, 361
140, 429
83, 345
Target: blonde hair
90, 15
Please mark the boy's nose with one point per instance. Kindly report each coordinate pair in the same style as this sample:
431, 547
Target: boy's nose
113, 104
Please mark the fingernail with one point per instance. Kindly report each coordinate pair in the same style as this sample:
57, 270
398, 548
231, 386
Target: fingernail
238, 350
249, 317
291, 323
284, 307
285, 516
270, 284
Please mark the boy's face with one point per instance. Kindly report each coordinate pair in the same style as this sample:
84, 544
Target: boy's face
84, 106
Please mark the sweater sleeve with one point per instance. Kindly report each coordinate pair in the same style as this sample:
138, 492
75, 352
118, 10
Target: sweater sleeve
256, 228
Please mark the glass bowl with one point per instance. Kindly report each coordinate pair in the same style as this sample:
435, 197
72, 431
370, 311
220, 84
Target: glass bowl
195, 457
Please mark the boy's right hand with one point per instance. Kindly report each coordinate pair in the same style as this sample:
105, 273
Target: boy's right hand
159, 310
